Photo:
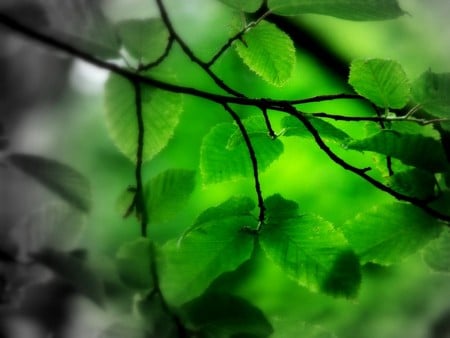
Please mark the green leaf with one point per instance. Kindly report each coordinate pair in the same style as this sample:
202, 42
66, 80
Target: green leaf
223, 158
74, 271
432, 92
309, 249
388, 233
359, 10
161, 111
269, 52
145, 39
212, 247
167, 193
293, 127
415, 150
61, 179
225, 315
249, 6
437, 253
415, 183
133, 263
384, 82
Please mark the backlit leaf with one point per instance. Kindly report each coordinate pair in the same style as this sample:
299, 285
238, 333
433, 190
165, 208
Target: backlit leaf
415, 183
432, 92
415, 150
63, 180
244, 5
161, 111
437, 253
309, 249
223, 157
269, 52
384, 82
360, 10
212, 247
388, 233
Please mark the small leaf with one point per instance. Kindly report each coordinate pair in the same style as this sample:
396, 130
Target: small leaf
269, 52
226, 316
167, 193
63, 180
145, 40
161, 111
415, 183
223, 157
384, 82
415, 150
309, 249
437, 253
74, 271
249, 6
359, 10
294, 127
432, 92
215, 246
388, 233
133, 263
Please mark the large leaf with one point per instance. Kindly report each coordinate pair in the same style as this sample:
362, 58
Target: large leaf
160, 110
309, 249
225, 315
293, 127
437, 253
166, 193
415, 150
388, 233
432, 92
133, 263
63, 180
224, 155
415, 183
215, 245
244, 5
360, 10
384, 82
269, 52
145, 39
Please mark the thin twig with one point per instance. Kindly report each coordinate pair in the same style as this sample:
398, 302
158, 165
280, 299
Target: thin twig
269, 127
323, 98
158, 61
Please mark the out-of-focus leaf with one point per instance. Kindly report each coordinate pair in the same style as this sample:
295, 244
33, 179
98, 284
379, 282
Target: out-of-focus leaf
249, 6
63, 180
437, 253
269, 52
388, 233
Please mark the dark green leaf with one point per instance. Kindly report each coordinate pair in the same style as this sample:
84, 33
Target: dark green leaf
414, 150
360, 10
74, 271
432, 92
415, 183
249, 6
63, 180
161, 111
222, 159
293, 127
437, 253
384, 82
133, 263
225, 315
145, 39
309, 249
212, 247
388, 233
269, 52
168, 192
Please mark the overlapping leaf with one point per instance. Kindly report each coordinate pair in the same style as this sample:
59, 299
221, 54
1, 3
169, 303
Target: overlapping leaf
269, 52
360, 10
388, 233
437, 253
215, 245
161, 111
309, 249
415, 150
224, 155
414, 182
384, 82
244, 5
